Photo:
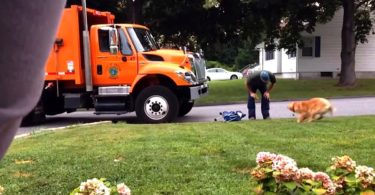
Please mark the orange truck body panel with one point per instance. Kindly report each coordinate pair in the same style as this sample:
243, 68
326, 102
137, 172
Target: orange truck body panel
69, 54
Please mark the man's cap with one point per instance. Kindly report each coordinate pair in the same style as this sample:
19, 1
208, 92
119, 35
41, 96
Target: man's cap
264, 76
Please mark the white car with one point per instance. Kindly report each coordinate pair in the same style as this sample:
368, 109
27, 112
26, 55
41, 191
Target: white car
222, 74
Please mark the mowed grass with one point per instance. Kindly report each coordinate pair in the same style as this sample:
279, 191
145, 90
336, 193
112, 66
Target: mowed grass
185, 158
233, 91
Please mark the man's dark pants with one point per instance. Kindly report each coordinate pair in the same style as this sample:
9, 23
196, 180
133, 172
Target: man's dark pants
265, 103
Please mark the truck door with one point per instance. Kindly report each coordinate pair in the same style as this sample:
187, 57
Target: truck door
115, 61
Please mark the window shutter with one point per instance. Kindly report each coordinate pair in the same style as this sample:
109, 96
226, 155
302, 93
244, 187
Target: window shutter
317, 46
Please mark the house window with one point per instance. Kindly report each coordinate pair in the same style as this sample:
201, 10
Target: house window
311, 47
292, 54
307, 49
270, 55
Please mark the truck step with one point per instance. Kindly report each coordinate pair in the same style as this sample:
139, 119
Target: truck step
110, 112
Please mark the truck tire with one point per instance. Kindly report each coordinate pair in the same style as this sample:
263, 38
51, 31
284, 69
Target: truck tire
35, 117
156, 104
185, 107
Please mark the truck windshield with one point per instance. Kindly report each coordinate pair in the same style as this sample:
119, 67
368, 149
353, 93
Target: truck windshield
142, 39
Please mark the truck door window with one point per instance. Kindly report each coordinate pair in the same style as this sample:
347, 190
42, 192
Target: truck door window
124, 43
103, 40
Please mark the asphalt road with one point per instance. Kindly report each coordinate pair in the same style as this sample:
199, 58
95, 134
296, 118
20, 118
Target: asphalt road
343, 107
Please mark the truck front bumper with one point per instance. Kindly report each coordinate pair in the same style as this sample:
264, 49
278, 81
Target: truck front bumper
198, 91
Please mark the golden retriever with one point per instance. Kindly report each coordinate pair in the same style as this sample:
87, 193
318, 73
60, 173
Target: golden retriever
312, 109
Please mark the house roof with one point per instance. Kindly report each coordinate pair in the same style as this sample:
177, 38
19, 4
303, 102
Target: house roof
260, 46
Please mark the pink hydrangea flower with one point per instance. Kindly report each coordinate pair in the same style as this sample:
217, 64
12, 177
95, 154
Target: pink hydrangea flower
304, 174
265, 157
281, 161
285, 167
122, 189
326, 182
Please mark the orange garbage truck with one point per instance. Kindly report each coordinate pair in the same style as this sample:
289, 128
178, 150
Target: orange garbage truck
115, 69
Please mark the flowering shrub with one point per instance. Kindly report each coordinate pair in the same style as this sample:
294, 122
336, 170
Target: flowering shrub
350, 178
100, 187
279, 174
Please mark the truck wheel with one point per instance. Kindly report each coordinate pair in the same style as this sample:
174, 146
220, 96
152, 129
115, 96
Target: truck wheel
35, 117
185, 107
156, 104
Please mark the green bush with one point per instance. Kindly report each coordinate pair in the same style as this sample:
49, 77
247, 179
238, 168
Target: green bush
217, 64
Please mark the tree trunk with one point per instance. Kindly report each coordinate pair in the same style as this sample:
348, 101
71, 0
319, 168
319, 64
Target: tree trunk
348, 45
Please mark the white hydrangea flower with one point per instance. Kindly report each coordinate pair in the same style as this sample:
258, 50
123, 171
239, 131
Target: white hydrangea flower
94, 187
365, 175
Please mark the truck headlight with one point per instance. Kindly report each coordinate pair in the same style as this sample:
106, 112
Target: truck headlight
187, 76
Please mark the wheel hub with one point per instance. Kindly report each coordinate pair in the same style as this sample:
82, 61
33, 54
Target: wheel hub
156, 107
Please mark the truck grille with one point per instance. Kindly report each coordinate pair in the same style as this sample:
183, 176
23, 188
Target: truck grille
199, 67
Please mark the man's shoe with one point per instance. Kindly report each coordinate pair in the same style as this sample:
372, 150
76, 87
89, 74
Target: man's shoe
251, 118
267, 118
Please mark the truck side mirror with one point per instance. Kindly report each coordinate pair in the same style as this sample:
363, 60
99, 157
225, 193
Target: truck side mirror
113, 41
201, 52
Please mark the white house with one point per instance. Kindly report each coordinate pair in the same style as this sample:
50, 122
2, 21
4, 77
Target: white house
320, 56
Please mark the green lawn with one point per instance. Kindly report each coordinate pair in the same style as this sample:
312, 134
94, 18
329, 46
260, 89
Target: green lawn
233, 91
187, 158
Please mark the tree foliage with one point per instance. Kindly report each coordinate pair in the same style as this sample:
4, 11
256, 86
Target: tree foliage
228, 30
120, 8
222, 29
289, 18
